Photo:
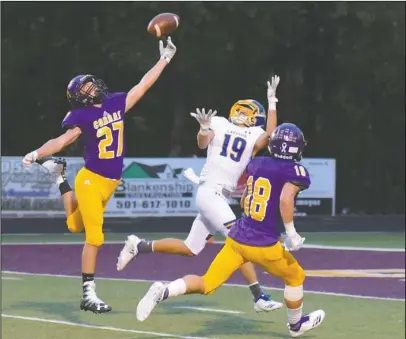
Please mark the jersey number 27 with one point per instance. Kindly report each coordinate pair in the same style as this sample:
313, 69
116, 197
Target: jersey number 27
233, 149
107, 133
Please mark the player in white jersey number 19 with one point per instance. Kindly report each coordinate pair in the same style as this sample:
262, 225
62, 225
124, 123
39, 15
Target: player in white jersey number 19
230, 146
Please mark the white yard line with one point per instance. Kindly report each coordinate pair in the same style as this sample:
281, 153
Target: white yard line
231, 285
116, 242
105, 328
10, 278
205, 309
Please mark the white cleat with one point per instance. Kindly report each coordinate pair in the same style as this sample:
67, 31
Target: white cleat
154, 295
129, 252
307, 322
266, 304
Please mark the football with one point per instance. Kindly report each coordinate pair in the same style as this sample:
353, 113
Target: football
163, 24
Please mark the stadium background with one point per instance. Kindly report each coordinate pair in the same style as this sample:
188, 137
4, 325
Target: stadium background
341, 65
342, 69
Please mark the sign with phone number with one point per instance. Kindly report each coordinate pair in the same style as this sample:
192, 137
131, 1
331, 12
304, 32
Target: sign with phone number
150, 187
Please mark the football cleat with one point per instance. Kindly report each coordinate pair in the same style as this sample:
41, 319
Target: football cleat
266, 304
129, 252
307, 322
56, 166
90, 301
152, 298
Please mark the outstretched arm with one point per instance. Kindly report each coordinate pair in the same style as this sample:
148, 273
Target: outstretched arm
272, 118
53, 146
138, 91
205, 134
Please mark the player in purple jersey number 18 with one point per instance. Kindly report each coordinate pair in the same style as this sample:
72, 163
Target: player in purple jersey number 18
98, 116
244, 243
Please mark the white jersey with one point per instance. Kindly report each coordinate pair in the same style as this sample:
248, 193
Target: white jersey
229, 153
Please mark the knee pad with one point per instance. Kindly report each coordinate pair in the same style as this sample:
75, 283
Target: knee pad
293, 293
95, 239
75, 222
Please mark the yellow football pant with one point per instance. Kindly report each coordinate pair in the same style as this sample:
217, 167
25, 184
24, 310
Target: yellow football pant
273, 259
93, 193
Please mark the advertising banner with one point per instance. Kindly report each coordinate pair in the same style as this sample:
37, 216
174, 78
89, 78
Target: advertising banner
150, 187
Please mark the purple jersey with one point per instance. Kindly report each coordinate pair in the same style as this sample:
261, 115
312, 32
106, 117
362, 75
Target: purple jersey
266, 177
102, 134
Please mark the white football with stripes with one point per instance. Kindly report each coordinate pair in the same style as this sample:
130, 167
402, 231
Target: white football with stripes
163, 24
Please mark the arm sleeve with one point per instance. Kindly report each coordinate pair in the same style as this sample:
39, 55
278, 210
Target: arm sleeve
71, 120
299, 176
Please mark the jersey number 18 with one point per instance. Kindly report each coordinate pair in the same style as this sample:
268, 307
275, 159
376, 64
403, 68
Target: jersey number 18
258, 195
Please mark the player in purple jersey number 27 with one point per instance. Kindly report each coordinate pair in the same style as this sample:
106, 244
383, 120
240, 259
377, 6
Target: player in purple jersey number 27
98, 118
253, 238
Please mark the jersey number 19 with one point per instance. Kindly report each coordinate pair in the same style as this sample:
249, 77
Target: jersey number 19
233, 149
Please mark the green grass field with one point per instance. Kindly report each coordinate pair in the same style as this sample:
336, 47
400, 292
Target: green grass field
56, 299
47, 307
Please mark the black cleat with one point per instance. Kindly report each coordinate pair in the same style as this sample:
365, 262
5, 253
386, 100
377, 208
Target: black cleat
90, 301
56, 166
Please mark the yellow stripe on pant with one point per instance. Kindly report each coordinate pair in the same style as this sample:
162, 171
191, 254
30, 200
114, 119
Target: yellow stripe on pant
272, 259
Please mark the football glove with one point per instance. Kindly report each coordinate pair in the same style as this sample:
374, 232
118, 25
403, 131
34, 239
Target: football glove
167, 52
204, 118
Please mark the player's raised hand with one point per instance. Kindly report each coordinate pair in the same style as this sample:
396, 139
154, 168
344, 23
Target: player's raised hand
167, 52
30, 158
272, 86
204, 118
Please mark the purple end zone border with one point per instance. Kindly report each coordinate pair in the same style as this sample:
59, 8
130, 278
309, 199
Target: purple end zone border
65, 259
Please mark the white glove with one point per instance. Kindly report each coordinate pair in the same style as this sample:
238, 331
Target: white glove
204, 118
30, 158
191, 176
167, 52
271, 93
293, 241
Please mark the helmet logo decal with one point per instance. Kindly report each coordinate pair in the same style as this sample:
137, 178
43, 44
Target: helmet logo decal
293, 149
283, 148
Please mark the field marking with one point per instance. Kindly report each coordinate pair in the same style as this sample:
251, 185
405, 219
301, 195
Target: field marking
10, 278
227, 285
205, 309
106, 328
116, 242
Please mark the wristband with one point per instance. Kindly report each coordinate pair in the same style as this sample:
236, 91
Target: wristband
290, 228
166, 59
203, 131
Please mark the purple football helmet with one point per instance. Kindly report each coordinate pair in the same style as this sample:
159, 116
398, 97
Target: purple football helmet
94, 94
287, 142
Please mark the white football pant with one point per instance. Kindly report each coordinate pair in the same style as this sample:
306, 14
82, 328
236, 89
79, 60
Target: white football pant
214, 213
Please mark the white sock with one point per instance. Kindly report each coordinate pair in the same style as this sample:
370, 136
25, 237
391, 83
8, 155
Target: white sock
294, 315
175, 288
